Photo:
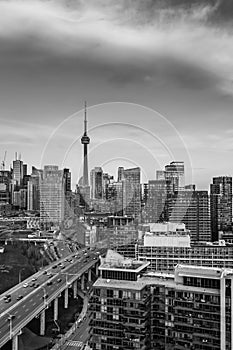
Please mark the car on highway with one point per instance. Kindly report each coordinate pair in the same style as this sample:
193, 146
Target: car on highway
34, 279
49, 283
19, 297
10, 317
25, 285
8, 300
31, 284
59, 280
7, 296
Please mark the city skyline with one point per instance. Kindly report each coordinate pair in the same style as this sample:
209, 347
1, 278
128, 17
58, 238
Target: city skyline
173, 56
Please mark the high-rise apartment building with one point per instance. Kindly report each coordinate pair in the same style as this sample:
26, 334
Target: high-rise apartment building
120, 306
192, 208
5, 186
120, 173
190, 308
33, 193
131, 192
67, 179
220, 205
115, 197
107, 181
155, 209
96, 177
52, 195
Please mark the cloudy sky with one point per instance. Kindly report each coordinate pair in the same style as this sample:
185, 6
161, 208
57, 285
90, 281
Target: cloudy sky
157, 75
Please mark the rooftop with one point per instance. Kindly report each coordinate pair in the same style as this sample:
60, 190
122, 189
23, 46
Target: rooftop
114, 260
120, 284
169, 280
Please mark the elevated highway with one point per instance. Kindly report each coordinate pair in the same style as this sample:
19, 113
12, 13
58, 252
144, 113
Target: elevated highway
30, 298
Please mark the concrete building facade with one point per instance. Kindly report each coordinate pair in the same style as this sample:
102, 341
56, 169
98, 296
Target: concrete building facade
52, 195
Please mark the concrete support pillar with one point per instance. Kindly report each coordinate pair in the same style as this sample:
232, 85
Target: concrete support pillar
15, 342
42, 323
75, 288
66, 298
55, 310
83, 282
223, 313
97, 270
89, 275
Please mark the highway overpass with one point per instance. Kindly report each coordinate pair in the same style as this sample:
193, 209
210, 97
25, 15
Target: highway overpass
30, 298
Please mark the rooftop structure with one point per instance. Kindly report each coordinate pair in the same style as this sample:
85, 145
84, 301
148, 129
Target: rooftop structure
166, 234
116, 266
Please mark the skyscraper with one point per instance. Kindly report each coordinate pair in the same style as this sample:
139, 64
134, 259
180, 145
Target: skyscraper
97, 183
17, 172
192, 208
220, 205
33, 193
67, 176
175, 173
155, 209
131, 192
52, 195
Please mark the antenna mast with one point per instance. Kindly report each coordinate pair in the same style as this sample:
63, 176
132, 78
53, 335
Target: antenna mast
85, 118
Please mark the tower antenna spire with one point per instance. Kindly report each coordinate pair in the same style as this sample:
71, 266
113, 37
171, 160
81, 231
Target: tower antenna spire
85, 140
85, 118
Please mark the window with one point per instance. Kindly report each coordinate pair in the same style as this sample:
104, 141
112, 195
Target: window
103, 308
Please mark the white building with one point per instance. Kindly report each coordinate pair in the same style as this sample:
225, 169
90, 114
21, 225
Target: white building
167, 234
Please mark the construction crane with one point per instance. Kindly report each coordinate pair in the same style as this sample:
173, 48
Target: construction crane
3, 162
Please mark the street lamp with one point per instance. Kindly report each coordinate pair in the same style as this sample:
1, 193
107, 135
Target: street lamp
10, 318
68, 284
20, 274
44, 296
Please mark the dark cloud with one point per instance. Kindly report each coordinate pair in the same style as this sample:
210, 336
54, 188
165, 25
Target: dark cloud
224, 11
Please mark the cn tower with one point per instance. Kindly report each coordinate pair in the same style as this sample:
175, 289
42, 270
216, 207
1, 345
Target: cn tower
85, 140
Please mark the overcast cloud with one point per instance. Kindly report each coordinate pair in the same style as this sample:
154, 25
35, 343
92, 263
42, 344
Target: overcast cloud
55, 53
